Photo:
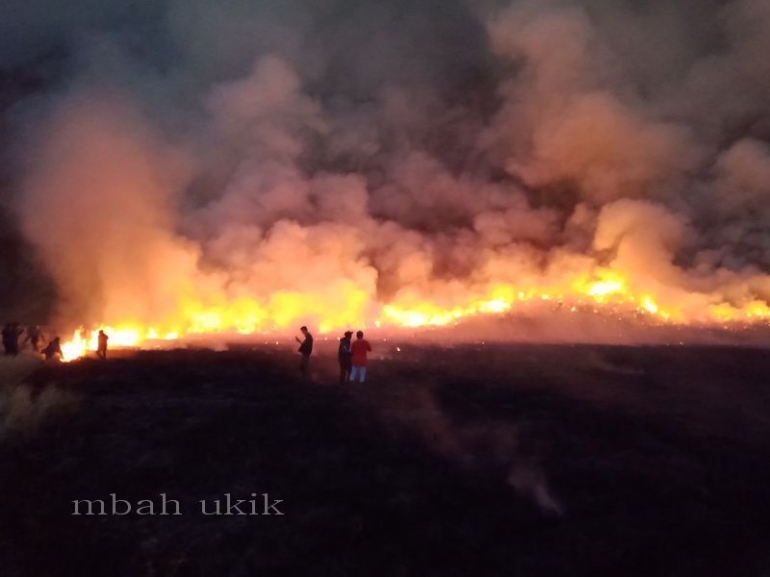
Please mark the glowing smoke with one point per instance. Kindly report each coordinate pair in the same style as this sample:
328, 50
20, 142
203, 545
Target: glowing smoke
204, 166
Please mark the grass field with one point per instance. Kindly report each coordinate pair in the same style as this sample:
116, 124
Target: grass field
470, 460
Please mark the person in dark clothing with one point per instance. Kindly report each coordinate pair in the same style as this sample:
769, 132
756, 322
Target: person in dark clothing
101, 348
52, 349
344, 358
305, 349
11, 334
34, 336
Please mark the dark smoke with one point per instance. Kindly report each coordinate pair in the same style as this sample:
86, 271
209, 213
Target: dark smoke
353, 154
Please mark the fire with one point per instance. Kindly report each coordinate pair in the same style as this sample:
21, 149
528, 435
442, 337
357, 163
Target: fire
84, 341
603, 290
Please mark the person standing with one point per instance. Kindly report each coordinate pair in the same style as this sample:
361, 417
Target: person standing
34, 336
344, 358
358, 352
11, 334
305, 349
101, 347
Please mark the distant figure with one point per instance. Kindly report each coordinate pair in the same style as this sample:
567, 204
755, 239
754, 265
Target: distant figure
101, 349
11, 334
34, 336
344, 358
358, 352
53, 349
305, 349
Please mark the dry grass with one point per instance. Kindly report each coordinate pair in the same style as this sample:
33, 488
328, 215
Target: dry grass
21, 409
13, 370
493, 460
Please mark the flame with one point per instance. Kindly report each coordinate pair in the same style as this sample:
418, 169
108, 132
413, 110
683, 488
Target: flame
121, 337
601, 290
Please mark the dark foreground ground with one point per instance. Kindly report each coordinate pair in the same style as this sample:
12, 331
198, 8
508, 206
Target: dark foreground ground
488, 460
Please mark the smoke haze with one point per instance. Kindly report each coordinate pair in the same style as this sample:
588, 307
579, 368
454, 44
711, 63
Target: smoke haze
336, 164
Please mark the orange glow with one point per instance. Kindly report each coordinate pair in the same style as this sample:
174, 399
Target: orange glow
84, 341
603, 290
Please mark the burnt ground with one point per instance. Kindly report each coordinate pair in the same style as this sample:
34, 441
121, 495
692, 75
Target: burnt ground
475, 460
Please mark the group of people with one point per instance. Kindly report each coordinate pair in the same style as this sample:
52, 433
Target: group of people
12, 332
351, 355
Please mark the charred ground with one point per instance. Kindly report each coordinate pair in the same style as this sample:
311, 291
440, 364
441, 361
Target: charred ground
471, 460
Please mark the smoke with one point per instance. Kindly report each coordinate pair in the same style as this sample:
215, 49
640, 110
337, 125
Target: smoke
102, 210
511, 450
200, 166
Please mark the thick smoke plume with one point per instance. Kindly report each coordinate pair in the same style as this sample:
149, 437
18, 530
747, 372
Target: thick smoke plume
242, 164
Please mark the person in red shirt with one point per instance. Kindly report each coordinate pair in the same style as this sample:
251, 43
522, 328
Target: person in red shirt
358, 352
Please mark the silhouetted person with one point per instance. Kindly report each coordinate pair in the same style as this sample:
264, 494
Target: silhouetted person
305, 349
358, 352
53, 349
11, 334
344, 358
34, 336
101, 347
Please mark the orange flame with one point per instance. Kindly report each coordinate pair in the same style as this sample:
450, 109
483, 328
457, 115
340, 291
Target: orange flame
603, 290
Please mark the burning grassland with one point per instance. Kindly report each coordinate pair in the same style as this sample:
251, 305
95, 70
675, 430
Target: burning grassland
539, 320
465, 180
337, 175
